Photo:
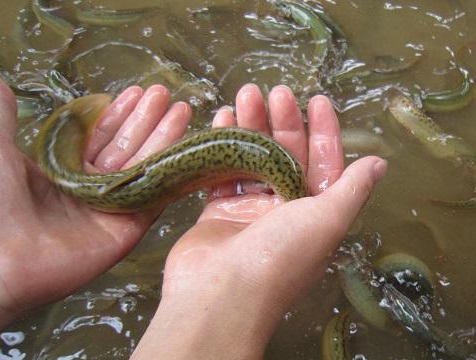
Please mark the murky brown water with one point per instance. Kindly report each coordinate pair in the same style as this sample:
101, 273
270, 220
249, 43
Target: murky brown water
230, 46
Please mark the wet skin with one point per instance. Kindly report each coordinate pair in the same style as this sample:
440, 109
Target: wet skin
249, 256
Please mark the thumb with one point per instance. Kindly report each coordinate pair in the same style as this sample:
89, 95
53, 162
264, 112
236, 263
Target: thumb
348, 194
304, 233
295, 242
315, 226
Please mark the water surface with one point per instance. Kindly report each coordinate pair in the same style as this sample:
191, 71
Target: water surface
227, 43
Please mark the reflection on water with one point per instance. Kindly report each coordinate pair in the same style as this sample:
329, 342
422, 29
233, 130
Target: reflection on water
414, 47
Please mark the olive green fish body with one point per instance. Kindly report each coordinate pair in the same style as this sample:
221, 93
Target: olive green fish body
362, 293
304, 15
27, 106
199, 92
458, 204
60, 26
145, 67
109, 17
387, 69
381, 303
335, 344
407, 314
201, 160
403, 267
439, 144
452, 99
364, 142
430, 134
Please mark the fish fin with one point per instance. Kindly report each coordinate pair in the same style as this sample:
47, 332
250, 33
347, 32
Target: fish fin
125, 179
457, 204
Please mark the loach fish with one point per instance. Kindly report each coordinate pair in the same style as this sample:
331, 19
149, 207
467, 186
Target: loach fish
362, 141
406, 313
304, 16
110, 17
430, 134
453, 99
371, 293
58, 25
198, 161
335, 341
438, 143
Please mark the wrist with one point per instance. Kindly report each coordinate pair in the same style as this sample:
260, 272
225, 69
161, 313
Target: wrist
219, 324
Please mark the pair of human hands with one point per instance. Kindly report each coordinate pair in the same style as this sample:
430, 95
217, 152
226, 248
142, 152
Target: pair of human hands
269, 250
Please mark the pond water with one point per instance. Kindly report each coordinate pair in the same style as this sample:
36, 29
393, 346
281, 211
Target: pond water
230, 43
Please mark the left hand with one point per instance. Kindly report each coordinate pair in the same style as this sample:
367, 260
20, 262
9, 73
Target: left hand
49, 244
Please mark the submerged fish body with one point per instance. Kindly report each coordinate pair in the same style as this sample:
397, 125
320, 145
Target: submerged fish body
440, 144
406, 313
304, 15
335, 344
430, 134
57, 24
452, 99
112, 17
198, 161
371, 292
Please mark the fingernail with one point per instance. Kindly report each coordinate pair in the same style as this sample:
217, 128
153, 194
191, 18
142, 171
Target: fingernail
182, 107
227, 108
380, 168
247, 92
285, 88
281, 93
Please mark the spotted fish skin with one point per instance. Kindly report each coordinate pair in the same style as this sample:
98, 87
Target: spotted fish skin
335, 341
429, 133
437, 142
201, 160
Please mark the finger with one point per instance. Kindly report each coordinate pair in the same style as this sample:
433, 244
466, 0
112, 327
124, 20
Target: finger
170, 129
110, 122
286, 123
250, 109
223, 118
135, 130
326, 159
8, 112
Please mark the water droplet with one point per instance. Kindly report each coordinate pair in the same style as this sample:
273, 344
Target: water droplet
90, 304
378, 130
164, 229
12, 338
13, 354
147, 32
209, 68
132, 288
127, 304
202, 195
443, 280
